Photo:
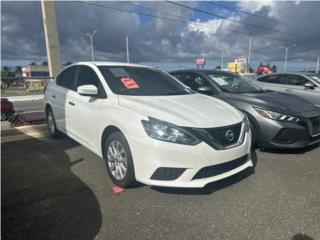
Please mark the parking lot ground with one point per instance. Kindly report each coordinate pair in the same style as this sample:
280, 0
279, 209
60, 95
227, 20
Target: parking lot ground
57, 189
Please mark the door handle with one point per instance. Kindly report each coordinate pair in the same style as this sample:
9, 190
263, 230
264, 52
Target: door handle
71, 103
53, 96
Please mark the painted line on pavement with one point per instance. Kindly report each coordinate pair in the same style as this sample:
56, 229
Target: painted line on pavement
25, 98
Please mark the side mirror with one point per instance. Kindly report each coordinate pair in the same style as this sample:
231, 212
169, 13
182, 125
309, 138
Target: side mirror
205, 90
88, 90
309, 85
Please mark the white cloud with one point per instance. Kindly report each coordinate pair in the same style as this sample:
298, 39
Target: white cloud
158, 39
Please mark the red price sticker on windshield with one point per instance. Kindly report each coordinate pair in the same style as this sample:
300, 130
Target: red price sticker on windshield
129, 83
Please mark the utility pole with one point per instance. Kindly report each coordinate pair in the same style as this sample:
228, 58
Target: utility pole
318, 65
127, 49
90, 35
51, 37
221, 64
286, 56
249, 55
285, 60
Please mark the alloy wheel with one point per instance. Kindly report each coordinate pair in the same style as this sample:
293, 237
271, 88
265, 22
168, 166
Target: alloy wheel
51, 124
117, 160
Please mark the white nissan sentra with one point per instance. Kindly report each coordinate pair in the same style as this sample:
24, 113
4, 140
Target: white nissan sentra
147, 126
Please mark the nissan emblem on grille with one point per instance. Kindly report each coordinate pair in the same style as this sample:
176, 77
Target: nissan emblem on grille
229, 135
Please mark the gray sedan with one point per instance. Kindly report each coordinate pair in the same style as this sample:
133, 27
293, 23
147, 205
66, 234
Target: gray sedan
277, 120
305, 85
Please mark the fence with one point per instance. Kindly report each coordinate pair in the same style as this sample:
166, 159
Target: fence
22, 100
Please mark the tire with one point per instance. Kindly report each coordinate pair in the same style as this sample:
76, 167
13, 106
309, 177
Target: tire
4, 116
51, 123
118, 160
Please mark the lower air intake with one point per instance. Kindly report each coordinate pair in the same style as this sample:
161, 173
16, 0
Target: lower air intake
220, 168
167, 174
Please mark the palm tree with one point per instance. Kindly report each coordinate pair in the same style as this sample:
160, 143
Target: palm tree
18, 70
5, 71
5, 68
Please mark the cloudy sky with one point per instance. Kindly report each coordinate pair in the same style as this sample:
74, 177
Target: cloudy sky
163, 32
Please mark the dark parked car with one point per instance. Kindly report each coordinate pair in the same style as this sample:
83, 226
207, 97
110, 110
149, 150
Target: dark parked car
278, 120
6, 109
305, 85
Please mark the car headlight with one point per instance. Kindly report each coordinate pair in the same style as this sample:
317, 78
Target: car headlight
168, 132
277, 116
246, 124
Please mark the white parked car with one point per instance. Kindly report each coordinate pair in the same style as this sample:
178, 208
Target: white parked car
147, 126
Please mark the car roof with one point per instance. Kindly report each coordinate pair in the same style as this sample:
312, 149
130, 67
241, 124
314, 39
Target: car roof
103, 63
199, 71
285, 73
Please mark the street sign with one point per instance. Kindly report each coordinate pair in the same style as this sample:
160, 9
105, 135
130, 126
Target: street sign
200, 62
240, 60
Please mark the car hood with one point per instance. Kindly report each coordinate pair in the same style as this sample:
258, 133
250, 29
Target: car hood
192, 110
273, 101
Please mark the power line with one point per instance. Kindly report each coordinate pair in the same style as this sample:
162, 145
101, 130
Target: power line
154, 10
259, 16
236, 21
177, 20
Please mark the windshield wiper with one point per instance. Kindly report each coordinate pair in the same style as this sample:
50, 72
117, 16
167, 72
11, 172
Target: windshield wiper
175, 93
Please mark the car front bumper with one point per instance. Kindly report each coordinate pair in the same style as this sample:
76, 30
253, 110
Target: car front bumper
284, 135
161, 163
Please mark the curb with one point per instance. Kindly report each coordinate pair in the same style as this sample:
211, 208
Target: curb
25, 98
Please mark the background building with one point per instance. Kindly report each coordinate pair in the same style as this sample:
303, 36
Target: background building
35, 71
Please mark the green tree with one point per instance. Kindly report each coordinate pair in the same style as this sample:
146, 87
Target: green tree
44, 63
18, 70
33, 64
5, 74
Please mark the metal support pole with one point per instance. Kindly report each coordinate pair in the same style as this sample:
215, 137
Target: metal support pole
127, 49
249, 54
221, 64
286, 56
318, 65
91, 42
285, 60
92, 55
51, 37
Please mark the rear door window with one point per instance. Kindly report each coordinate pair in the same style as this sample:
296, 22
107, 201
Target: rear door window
296, 80
275, 79
66, 79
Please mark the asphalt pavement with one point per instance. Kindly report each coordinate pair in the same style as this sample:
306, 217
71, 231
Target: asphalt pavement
29, 105
57, 189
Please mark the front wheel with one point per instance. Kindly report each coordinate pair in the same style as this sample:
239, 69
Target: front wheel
51, 123
4, 116
118, 159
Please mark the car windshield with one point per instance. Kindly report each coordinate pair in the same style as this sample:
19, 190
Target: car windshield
234, 83
141, 81
315, 77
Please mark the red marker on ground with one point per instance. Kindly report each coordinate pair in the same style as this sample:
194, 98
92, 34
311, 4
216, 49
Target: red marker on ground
116, 189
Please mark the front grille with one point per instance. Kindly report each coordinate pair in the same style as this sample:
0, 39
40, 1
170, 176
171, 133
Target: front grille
220, 168
315, 125
221, 137
167, 174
